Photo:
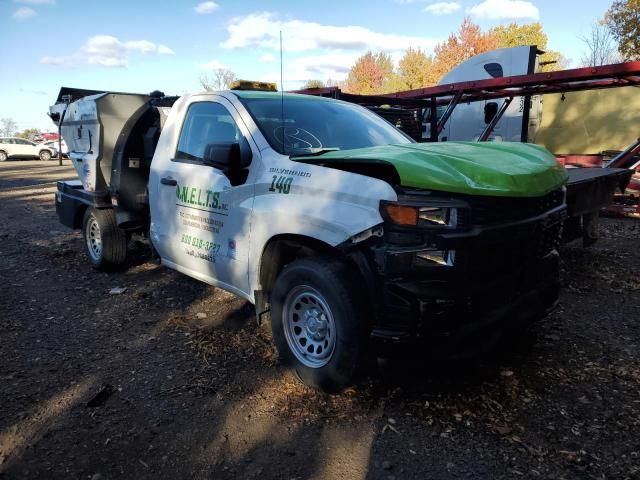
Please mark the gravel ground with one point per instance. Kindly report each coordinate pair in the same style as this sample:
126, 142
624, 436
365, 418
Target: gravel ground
174, 379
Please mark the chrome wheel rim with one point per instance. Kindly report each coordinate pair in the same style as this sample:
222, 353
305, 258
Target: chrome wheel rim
309, 327
45, 156
94, 239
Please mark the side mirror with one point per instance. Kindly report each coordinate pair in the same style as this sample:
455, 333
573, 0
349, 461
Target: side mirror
228, 156
221, 155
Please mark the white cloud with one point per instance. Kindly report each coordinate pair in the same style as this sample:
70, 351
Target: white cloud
36, 2
333, 66
267, 58
213, 65
143, 46
24, 13
443, 8
206, 7
107, 51
505, 9
262, 30
164, 50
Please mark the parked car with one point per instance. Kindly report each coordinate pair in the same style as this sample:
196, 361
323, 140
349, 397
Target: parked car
54, 150
53, 144
12, 147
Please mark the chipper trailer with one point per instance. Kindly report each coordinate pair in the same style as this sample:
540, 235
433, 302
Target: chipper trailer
352, 236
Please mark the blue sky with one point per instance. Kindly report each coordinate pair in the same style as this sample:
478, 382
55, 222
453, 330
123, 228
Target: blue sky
140, 46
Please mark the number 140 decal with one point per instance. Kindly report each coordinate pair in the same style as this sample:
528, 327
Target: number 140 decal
281, 184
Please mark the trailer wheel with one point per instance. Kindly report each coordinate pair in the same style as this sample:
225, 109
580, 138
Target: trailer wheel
105, 244
3, 156
318, 322
45, 155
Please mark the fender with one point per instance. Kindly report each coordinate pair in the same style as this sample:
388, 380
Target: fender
322, 203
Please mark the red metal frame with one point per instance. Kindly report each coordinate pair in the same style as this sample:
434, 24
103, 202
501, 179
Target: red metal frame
576, 79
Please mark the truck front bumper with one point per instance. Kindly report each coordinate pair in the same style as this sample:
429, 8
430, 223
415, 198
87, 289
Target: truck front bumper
503, 278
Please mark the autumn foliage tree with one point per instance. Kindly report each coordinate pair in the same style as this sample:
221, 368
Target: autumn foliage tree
375, 73
313, 84
623, 20
372, 74
416, 69
515, 35
467, 42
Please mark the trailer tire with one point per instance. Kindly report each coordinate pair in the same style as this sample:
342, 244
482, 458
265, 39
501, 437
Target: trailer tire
105, 244
45, 155
3, 156
318, 320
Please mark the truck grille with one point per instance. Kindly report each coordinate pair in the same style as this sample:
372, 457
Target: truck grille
491, 210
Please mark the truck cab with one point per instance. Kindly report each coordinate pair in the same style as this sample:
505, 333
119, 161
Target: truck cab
351, 236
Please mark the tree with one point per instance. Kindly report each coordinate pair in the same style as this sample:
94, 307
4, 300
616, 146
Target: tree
601, 47
623, 21
367, 75
314, 84
29, 134
221, 79
515, 35
331, 82
373, 74
416, 69
460, 46
8, 128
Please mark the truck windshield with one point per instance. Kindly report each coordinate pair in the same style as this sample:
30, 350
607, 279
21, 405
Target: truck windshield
314, 126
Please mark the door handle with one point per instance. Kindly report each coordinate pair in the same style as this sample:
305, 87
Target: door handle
168, 181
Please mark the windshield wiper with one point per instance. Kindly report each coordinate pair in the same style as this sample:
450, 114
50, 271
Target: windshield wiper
312, 152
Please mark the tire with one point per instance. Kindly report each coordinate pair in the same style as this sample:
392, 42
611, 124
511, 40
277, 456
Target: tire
45, 155
3, 156
318, 322
104, 243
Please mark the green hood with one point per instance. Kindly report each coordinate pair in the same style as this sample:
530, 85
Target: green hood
490, 168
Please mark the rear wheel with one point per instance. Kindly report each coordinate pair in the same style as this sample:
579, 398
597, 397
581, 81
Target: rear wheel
105, 244
3, 156
45, 155
318, 322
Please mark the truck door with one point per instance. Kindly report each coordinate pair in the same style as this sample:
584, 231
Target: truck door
203, 220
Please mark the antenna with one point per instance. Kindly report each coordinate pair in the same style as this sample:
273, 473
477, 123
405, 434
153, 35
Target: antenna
284, 146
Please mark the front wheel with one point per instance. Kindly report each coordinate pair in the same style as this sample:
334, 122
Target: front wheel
318, 322
105, 244
45, 155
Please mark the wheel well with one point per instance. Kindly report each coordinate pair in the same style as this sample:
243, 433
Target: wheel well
284, 249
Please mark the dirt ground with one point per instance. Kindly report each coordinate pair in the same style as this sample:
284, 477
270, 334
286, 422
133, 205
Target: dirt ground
174, 379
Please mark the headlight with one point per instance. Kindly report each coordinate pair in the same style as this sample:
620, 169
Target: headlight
439, 216
438, 257
432, 216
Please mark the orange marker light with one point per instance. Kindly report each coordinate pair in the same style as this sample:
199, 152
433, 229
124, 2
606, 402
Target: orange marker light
402, 215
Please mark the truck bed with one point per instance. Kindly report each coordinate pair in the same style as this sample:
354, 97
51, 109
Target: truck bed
590, 189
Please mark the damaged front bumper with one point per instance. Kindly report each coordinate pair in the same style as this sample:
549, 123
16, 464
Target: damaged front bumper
461, 289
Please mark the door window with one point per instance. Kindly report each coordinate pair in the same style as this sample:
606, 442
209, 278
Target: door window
205, 123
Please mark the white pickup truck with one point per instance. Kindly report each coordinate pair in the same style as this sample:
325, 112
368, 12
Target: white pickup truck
351, 235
